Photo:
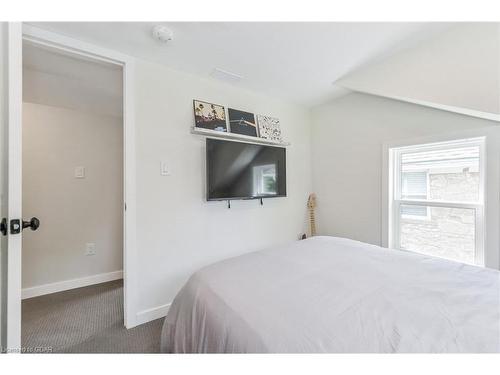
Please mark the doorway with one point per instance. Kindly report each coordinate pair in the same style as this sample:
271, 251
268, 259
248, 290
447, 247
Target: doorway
72, 188
18, 34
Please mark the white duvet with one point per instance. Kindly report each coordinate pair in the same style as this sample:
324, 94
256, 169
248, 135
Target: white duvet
328, 294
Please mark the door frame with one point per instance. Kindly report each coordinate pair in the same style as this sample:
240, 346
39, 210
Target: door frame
63, 43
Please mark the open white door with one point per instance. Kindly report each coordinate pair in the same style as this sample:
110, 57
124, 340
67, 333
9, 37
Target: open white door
11, 36
3, 183
11, 152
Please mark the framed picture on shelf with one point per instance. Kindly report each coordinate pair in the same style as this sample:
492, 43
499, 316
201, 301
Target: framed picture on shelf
241, 122
209, 116
269, 128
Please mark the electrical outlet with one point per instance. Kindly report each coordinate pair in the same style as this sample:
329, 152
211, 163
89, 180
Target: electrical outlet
90, 249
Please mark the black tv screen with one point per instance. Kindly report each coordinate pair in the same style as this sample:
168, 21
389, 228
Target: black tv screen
237, 170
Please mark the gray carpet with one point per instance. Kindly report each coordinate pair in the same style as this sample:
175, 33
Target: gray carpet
85, 320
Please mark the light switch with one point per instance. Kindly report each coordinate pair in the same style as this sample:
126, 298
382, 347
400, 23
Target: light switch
90, 249
79, 172
164, 169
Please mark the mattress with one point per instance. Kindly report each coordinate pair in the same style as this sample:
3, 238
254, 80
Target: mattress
334, 295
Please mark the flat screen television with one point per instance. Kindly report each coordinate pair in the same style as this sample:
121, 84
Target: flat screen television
237, 170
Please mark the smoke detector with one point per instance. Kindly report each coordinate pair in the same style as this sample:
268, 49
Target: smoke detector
162, 34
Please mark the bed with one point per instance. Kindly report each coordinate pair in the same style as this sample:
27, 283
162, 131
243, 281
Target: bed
334, 295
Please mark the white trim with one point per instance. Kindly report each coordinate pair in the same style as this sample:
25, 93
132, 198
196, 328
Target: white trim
443, 107
129, 192
444, 204
387, 191
154, 313
491, 238
60, 286
47, 38
62, 42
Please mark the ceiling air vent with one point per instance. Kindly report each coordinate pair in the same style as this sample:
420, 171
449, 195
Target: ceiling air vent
224, 75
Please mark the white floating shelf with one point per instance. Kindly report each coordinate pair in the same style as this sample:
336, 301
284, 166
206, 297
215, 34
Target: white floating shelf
237, 137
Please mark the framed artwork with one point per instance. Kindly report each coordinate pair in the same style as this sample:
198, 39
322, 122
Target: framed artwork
269, 128
241, 122
209, 116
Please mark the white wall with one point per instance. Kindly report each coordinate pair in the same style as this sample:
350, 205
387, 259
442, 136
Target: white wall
59, 79
72, 211
178, 231
3, 171
347, 140
458, 69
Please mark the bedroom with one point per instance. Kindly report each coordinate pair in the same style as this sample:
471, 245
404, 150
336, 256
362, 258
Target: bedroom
382, 151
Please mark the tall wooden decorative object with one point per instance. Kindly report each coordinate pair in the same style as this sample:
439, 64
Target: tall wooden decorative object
311, 205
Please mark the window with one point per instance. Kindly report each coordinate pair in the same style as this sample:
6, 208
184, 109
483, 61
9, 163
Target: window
264, 177
437, 205
415, 186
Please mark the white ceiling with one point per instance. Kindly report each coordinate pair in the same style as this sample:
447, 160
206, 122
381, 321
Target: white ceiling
457, 70
294, 61
53, 78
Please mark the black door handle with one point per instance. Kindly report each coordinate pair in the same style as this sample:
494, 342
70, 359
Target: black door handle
3, 226
34, 223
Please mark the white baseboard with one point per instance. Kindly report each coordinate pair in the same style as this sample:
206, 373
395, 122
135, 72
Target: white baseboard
70, 284
154, 313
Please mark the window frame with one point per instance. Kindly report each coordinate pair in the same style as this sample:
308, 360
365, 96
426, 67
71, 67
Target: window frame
395, 200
